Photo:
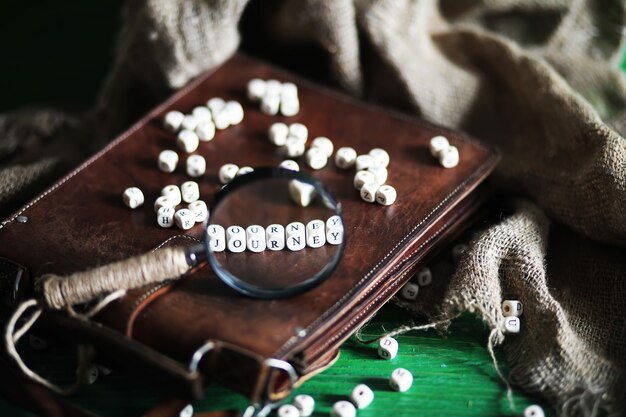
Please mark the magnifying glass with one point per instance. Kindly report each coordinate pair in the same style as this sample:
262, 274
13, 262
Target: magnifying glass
274, 233
271, 233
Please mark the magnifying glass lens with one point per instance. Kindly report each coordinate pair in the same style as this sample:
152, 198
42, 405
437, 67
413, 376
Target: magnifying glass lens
274, 233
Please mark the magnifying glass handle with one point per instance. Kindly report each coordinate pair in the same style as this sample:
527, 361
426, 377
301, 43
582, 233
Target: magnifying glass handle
170, 263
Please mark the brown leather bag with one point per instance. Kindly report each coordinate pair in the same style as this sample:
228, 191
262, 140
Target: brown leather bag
198, 327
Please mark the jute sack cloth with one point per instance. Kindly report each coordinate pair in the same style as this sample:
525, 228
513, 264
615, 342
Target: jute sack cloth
538, 79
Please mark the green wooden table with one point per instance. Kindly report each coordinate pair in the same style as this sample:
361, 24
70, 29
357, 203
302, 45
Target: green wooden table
454, 375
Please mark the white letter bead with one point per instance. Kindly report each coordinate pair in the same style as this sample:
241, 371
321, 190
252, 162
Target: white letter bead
173, 193
278, 133
221, 118
334, 236
196, 166
409, 291
227, 173
368, 192
270, 104
256, 89
449, 158
364, 162
215, 104
324, 144
236, 239
334, 222
380, 156
290, 165
288, 90
217, 238
200, 210
234, 111
512, 324
187, 411
334, 230
288, 410
190, 122
387, 348
187, 140
163, 201
345, 158
275, 237
295, 236
205, 131
133, 197
184, 219
533, 411
343, 409
305, 404
386, 195
274, 87
315, 233
299, 130
316, 158
380, 173
165, 216
168, 161
293, 148
173, 120
255, 238
244, 171
512, 308
362, 396
438, 144
363, 177
190, 191
202, 114
424, 277
401, 380
301, 193
289, 106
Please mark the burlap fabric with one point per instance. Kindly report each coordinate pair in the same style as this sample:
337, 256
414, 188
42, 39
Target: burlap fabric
537, 78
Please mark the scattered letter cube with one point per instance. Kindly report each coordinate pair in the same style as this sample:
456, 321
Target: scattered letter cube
343, 409
409, 291
512, 324
227, 173
184, 219
165, 217
386, 195
305, 404
387, 348
345, 158
362, 396
196, 166
168, 161
512, 308
401, 380
133, 197
200, 210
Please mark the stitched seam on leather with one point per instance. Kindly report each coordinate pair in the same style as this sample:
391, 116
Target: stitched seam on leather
110, 146
485, 167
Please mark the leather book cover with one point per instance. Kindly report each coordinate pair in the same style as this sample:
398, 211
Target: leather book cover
81, 222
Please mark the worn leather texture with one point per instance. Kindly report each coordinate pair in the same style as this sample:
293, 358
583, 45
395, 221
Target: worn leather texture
81, 222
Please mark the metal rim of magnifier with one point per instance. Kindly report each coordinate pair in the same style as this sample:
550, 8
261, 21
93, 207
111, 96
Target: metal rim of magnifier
253, 290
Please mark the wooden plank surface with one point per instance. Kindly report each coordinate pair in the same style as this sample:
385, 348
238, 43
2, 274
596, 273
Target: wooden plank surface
453, 376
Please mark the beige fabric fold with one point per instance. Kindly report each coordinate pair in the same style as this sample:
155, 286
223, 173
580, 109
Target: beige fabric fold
539, 79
